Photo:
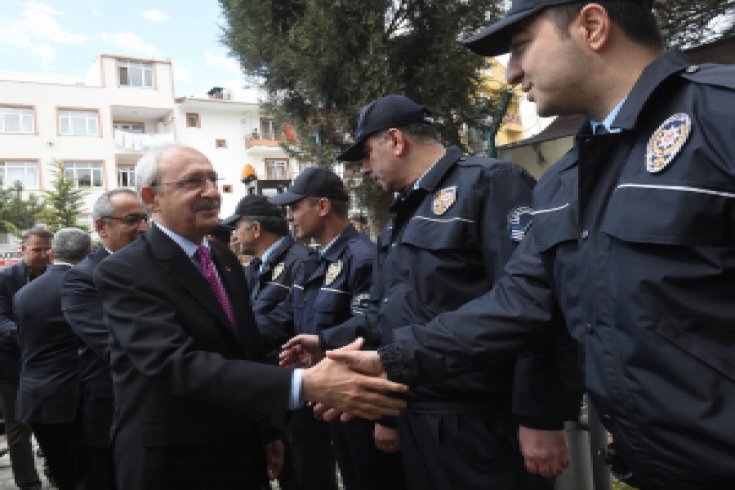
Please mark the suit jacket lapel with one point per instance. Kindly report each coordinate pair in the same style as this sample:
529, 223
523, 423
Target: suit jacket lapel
174, 261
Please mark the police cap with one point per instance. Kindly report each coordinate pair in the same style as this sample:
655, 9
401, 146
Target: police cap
312, 182
494, 39
253, 205
390, 111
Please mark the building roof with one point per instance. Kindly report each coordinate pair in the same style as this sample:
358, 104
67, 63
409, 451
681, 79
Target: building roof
560, 127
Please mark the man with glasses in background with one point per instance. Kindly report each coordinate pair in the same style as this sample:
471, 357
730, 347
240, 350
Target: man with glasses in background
119, 218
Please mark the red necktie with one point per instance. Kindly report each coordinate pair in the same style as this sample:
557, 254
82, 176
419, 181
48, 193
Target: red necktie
210, 274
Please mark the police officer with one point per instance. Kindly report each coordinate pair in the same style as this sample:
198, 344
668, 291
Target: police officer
330, 287
632, 240
455, 222
262, 232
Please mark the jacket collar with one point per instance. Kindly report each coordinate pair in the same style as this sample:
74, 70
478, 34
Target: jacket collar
335, 251
668, 64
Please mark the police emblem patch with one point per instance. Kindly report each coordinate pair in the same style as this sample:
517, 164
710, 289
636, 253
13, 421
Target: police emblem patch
360, 303
444, 199
333, 270
278, 270
666, 142
519, 220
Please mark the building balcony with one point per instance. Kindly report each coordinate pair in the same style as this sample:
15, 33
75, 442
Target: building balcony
257, 138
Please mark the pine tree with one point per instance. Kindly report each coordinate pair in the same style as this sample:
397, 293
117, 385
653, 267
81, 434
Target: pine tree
63, 202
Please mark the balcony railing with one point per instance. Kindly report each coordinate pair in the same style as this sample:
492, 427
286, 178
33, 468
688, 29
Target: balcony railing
140, 141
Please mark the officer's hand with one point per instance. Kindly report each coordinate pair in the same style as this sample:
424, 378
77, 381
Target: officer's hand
544, 452
301, 351
274, 458
366, 362
386, 439
336, 386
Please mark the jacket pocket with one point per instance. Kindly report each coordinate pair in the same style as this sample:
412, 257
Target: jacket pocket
710, 353
554, 225
438, 234
671, 214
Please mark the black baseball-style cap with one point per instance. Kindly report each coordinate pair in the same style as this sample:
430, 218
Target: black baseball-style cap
253, 205
312, 182
494, 40
390, 111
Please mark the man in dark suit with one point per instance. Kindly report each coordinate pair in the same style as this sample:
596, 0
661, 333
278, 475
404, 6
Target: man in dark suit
48, 393
119, 218
36, 250
191, 400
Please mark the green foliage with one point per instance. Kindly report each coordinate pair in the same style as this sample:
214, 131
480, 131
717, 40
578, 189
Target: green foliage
63, 202
687, 23
321, 61
17, 212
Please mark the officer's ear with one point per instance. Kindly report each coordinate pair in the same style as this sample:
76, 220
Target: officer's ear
398, 141
325, 206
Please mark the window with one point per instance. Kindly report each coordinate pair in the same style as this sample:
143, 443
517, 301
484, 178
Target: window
76, 122
126, 176
192, 120
129, 127
24, 172
84, 174
16, 120
267, 129
135, 73
276, 169
219, 143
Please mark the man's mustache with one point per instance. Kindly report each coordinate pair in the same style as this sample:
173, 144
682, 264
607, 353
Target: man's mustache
206, 204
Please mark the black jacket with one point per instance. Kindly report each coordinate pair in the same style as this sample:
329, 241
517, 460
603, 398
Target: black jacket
11, 280
49, 376
446, 243
189, 398
327, 290
632, 241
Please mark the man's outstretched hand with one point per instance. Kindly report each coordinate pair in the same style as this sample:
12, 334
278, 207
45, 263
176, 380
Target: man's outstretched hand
352, 384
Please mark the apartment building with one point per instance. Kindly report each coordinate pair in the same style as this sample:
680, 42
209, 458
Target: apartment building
100, 124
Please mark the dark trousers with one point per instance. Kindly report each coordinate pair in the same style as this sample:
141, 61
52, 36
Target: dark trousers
309, 461
19, 438
362, 466
464, 452
96, 420
60, 446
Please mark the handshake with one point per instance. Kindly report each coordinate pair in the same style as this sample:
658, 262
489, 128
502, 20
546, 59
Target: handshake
347, 381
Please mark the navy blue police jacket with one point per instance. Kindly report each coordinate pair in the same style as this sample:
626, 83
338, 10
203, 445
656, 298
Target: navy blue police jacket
271, 284
633, 242
328, 289
447, 242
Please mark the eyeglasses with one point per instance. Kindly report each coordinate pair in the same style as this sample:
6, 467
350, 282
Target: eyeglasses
192, 183
129, 219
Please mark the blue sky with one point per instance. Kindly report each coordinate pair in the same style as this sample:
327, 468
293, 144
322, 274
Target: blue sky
65, 36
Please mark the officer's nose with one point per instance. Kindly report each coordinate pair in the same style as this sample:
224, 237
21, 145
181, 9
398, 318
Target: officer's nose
514, 73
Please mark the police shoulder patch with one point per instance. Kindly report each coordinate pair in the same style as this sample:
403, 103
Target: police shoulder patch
519, 220
667, 141
333, 270
444, 199
278, 270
